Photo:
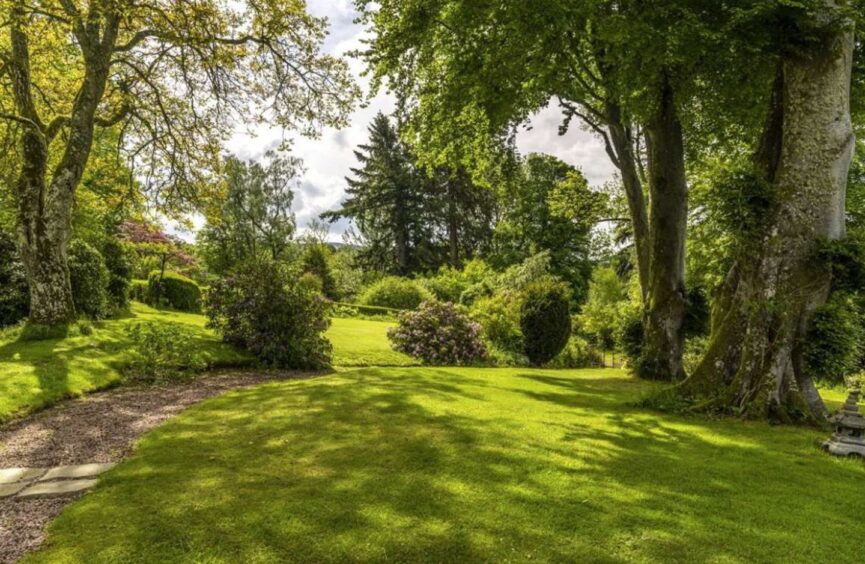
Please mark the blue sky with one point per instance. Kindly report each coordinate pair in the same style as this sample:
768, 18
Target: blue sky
328, 158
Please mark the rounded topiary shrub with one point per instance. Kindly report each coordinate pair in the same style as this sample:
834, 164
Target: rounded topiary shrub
396, 293
438, 333
14, 292
545, 320
173, 290
89, 278
262, 309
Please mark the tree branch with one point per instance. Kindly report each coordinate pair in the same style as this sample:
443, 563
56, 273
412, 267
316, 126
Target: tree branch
55, 126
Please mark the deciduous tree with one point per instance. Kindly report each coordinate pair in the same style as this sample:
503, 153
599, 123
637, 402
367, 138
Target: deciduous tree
175, 75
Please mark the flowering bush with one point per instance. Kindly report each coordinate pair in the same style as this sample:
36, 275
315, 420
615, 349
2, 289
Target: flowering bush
438, 333
264, 309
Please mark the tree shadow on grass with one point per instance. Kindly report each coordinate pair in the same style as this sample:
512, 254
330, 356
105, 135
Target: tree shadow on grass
50, 368
418, 465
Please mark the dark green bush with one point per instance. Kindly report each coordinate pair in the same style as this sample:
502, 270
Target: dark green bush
173, 290
119, 265
396, 293
629, 337
833, 342
845, 259
262, 309
315, 262
89, 278
697, 313
162, 352
545, 320
14, 292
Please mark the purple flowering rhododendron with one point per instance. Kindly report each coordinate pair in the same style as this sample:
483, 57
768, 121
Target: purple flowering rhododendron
438, 333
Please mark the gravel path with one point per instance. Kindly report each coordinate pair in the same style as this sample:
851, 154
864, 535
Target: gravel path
99, 428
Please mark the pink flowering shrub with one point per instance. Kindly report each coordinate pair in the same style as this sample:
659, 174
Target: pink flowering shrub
438, 333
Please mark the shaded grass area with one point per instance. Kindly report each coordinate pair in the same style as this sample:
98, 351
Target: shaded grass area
422, 464
360, 342
36, 374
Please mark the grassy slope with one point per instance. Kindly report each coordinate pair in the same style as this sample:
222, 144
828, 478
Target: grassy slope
358, 342
36, 374
421, 464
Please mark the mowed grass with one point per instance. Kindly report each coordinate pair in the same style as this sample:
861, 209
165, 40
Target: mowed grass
360, 342
36, 374
465, 465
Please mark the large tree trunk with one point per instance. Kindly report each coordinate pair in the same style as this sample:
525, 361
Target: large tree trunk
754, 365
45, 207
663, 341
42, 239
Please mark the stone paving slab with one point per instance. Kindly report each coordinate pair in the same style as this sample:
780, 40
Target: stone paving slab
77, 471
57, 488
8, 490
12, 475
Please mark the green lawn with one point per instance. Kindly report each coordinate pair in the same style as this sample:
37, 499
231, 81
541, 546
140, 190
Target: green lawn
422, 464
35, 374
359, 342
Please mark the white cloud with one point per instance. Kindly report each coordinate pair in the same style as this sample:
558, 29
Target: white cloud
329, 158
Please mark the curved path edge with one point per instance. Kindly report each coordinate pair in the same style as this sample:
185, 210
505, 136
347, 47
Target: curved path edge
98, 429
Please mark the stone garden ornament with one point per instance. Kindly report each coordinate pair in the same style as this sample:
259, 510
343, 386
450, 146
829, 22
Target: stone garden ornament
849, 436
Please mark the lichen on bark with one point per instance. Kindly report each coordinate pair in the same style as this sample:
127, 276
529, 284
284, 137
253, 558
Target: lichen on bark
753, 366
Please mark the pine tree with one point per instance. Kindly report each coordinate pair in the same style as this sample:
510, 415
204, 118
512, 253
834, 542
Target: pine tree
386, 202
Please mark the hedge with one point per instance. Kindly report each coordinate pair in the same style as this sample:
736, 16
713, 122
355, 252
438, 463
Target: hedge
173, 290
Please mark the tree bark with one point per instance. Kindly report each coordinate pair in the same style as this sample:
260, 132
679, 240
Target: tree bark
453, 224
401, 235
45, 206
622, 142
663, 341
754, 363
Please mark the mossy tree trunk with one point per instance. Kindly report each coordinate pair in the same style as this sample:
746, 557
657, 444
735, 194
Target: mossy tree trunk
45, 202
754, 362
663, 341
